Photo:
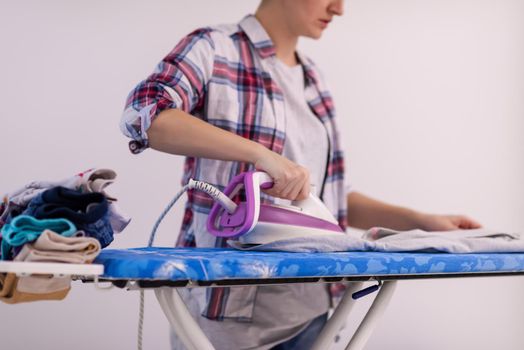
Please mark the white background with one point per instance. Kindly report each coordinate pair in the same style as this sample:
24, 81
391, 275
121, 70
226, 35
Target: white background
430, 98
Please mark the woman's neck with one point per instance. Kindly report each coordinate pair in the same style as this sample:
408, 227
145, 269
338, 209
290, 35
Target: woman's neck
284, 40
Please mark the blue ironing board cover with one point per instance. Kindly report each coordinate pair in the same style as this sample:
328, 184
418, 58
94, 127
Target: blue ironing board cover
208, 264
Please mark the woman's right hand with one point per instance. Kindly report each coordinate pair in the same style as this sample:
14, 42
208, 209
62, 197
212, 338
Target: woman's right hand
290, 180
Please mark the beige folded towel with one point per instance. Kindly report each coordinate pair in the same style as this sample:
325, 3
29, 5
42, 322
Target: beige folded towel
50, 247
13, 290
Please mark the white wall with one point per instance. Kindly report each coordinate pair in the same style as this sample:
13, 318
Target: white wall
430, 103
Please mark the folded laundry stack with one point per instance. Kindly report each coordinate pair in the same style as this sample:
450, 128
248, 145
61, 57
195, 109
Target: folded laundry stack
92, 180
67, 221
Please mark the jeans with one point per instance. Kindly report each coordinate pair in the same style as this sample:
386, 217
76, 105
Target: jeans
306, 338
88, 211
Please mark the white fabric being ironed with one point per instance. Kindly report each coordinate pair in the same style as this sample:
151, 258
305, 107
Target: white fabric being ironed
385, 240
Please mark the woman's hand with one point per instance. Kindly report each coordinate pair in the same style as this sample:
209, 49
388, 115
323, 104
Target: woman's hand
290, 180
432, 222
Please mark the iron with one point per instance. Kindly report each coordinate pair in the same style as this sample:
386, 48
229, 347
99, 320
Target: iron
253, 222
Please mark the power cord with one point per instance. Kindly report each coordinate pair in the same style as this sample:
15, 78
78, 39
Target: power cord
212, 191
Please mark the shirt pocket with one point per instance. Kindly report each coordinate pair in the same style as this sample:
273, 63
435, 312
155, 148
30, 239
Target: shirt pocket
237, 304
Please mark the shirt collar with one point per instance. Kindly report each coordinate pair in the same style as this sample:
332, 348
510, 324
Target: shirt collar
265, 48
309, 68
258, 36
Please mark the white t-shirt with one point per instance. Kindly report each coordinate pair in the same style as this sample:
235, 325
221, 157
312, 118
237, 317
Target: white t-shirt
306, 138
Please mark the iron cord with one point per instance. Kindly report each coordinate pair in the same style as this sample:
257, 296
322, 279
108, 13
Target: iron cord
212, 191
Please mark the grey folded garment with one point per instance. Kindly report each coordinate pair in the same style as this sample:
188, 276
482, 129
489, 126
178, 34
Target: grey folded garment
456, 241
52, 247
385, 240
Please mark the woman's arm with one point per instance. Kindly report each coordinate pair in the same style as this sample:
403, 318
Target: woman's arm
177, 132
365, 212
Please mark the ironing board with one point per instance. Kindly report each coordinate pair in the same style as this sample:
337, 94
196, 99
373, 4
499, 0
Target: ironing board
165, 268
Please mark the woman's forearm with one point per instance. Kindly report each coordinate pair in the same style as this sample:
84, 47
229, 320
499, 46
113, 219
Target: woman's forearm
174, 131
365, 212
177, 132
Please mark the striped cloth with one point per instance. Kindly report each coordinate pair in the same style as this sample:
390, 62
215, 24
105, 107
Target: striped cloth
222, 75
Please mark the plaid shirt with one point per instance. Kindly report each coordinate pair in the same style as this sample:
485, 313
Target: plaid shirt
223, 76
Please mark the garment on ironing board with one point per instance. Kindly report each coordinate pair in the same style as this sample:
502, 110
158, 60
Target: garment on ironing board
457, 241
386, 240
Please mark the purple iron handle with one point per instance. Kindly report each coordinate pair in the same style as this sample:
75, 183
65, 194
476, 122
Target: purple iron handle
244, 218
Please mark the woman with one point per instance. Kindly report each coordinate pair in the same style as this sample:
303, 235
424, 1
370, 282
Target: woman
237, 97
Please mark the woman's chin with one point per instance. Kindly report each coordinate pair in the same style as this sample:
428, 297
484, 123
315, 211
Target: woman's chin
315, 33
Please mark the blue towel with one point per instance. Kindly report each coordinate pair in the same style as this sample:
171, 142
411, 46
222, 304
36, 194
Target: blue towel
23, 229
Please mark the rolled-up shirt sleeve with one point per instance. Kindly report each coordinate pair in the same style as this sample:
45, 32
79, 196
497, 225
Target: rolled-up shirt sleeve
178, 81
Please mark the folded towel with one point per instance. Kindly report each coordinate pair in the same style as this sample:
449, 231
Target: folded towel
52, 247
23, 229
49, 247
14, 290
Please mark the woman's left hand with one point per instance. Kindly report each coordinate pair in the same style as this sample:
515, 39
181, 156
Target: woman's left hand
432, 222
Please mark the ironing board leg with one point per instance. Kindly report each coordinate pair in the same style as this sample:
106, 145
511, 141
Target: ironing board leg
181, 320
337, 320
373, 315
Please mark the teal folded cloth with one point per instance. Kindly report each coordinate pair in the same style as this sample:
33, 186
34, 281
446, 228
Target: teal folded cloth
24, 228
